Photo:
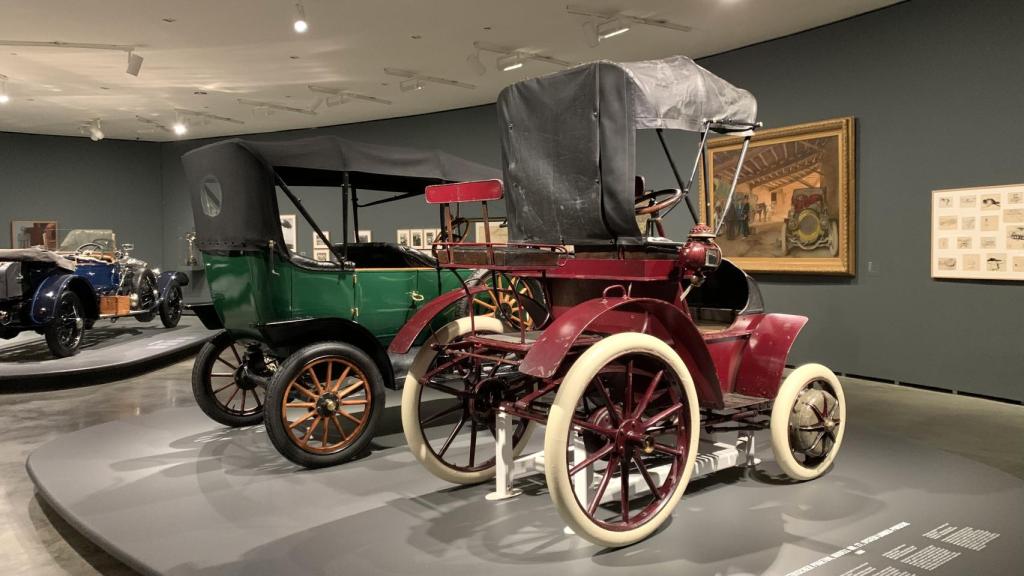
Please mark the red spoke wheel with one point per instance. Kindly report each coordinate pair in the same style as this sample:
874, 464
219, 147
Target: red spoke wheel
230, 379
808, 422
323, 404
449, 405
621, 439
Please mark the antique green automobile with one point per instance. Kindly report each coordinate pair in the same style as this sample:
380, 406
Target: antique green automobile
303, 342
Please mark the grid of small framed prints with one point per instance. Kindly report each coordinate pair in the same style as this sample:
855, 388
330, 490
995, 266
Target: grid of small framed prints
978, 233
418, 238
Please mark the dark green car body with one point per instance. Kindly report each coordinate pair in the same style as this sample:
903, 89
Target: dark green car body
263, 291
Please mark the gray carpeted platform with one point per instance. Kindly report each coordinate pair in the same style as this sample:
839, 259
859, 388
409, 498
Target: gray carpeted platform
106, 347
173, 493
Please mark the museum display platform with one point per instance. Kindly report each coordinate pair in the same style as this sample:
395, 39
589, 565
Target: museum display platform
105, 348
174, 493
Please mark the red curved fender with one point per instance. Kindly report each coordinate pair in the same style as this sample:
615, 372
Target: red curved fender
764, 358
405, 338
614, 315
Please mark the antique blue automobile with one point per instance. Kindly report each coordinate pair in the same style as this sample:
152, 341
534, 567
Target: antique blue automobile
61, 294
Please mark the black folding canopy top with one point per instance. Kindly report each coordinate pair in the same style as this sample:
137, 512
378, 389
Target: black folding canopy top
232, 182
569, 142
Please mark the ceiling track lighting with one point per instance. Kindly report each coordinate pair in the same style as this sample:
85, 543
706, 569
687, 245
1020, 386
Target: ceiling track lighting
341, 96
193, 117
612, 28
270, 107
510, 59
93, 129
603, 25
410, 85
4, 96
416, 81
300, 25
134, 60
153, 124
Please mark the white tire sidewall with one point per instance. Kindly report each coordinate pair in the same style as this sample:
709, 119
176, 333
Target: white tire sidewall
784, 402
411, 400
559, 425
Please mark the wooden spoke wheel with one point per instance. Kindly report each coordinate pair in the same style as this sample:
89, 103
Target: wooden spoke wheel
808, 422
230, 379
500, 301
64, 334
450, 402
621, 439
323, 404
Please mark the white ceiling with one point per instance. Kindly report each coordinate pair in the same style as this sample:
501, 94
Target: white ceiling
247, 49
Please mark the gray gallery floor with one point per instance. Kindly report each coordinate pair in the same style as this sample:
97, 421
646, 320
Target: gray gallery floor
34, 540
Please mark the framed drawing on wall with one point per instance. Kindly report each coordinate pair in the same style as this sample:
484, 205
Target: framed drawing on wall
28, 233
289, 229
793, 210
978, 233
402, 238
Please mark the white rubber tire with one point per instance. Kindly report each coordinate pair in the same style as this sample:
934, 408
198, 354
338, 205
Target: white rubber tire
411, 405
556, 464
784, 402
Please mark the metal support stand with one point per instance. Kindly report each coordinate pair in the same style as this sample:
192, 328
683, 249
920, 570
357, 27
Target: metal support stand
712, 456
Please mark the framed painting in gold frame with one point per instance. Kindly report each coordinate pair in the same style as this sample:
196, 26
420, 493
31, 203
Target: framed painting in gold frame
793, 210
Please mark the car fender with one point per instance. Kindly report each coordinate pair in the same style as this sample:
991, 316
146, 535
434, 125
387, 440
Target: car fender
408, 334
290, 335
49, 291
163, 282
765, 355
622, 314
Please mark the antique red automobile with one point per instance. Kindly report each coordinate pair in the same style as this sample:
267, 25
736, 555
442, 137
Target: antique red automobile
646, 352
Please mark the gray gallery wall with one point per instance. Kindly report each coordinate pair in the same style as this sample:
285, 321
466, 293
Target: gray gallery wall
936, 90
83, 184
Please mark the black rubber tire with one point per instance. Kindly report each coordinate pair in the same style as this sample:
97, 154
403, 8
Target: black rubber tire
203, 385
291, 368
170, 307
146, 280
52, 332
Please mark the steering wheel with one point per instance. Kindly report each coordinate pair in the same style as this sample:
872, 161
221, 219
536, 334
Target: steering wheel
657, 201
82, 248
460, 227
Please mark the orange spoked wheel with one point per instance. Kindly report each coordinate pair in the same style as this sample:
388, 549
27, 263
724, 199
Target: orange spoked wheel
500, 300
323, 404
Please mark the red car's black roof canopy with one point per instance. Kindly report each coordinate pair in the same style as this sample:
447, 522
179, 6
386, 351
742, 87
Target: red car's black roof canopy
569, 142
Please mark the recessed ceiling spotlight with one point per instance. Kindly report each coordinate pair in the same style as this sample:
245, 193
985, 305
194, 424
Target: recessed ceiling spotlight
170, 20
179, 128
300, 23
104, 87
416, 37
487, 28
294, 57
199, 93
4, 97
